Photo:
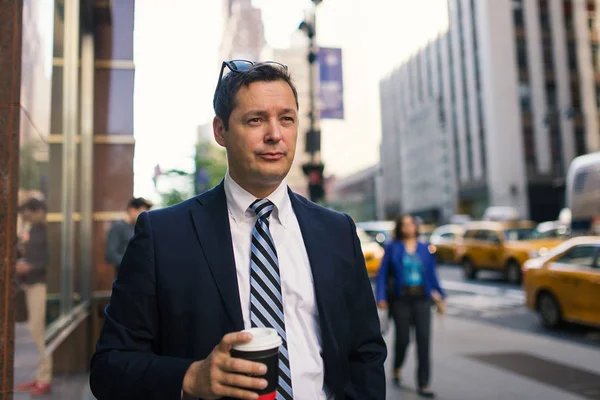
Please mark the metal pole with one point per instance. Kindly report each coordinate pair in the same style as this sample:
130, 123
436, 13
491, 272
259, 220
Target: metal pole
69, 149
311, 89
87, 161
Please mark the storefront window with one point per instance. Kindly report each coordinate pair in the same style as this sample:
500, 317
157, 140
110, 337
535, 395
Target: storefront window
37, 224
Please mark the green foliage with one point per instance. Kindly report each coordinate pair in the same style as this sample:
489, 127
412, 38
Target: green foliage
29, 168
173, 197
213, 160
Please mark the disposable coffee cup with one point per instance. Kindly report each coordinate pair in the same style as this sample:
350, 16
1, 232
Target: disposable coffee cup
263, 348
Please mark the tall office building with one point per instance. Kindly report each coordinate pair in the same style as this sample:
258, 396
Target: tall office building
243, 31
515, 86
295, 57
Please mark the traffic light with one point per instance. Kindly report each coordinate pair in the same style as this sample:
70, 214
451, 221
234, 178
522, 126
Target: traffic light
316, 187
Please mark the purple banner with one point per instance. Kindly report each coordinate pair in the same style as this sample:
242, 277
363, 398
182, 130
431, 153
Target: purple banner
331, 93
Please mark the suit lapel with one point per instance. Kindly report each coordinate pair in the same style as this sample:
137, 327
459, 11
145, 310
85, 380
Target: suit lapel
315, 242
211, 221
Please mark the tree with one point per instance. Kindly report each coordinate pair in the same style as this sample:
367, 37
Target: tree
210, 168
173, 197
30, 173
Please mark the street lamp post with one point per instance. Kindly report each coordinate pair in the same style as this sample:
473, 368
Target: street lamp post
313, 169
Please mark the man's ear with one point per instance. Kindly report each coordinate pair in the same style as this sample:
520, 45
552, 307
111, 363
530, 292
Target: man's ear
219, 131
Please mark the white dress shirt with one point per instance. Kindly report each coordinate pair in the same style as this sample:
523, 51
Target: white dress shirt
300, 309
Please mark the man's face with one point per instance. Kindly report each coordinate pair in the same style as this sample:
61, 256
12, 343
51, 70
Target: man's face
261, 140
34, 217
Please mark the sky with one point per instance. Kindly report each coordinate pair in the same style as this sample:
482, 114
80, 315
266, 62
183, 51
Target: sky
176, 57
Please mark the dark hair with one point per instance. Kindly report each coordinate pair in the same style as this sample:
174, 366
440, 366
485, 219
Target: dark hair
139, 202
230, 85
33, 204
398, 235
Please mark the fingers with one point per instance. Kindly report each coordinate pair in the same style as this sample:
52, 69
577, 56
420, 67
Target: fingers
232, 339
231, 376
230, 379
236, 393
242, 381
240, 366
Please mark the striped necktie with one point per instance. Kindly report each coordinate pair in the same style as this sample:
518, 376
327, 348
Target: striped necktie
266, 301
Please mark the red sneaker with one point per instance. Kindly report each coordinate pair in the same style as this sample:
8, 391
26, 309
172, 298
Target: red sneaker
26, 387
40, 389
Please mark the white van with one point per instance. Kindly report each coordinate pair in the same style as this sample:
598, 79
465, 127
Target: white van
501, 213
583, 194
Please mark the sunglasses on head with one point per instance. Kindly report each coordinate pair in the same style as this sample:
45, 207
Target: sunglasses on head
245, 65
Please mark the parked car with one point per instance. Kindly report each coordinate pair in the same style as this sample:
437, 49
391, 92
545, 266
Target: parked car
425, 232
583, 194
501, 213
500, 246
564, 285
552, 229
372, 252
381, 231
443, 242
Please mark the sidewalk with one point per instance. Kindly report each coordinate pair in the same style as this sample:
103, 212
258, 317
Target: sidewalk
69, 387
479, 361
471, 361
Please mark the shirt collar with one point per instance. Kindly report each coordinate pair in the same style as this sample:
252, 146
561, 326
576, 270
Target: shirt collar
239, 201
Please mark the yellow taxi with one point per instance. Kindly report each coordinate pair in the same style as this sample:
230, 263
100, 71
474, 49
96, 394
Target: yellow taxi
564, 285
500, 246
443, 242
425, 232
372, 251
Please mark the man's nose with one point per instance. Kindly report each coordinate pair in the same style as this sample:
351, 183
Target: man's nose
273, 133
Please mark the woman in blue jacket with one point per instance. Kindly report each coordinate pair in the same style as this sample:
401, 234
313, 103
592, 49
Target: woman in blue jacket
406, 285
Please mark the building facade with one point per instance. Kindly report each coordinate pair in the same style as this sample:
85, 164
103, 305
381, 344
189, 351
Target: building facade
74, 119
356, 194
517, 93
295, 57
243, 31
416, 161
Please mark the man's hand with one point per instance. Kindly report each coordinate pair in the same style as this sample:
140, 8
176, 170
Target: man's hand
23, 267
220, 375
382, 304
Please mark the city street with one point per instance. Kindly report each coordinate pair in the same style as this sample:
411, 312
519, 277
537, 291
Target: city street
489, 299
489, 346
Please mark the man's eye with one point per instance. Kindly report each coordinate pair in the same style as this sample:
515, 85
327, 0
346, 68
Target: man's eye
254, 120
290, 119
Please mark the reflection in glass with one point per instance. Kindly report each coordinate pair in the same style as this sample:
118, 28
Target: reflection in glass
36, 86
36, 284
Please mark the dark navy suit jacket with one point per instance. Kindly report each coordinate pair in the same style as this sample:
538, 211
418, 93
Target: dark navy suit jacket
176, 296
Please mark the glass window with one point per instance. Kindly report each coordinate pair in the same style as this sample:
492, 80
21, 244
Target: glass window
470, 234
525, 96
582, 256
487, 236
519, 234
561, 231
39, 230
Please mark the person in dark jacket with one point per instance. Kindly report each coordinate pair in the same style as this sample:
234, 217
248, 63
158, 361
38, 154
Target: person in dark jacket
122, 231
406, 285
31, 272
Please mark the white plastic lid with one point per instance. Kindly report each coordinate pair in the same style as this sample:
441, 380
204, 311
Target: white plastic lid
262, 339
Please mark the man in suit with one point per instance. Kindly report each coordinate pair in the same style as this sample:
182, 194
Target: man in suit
247, 253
